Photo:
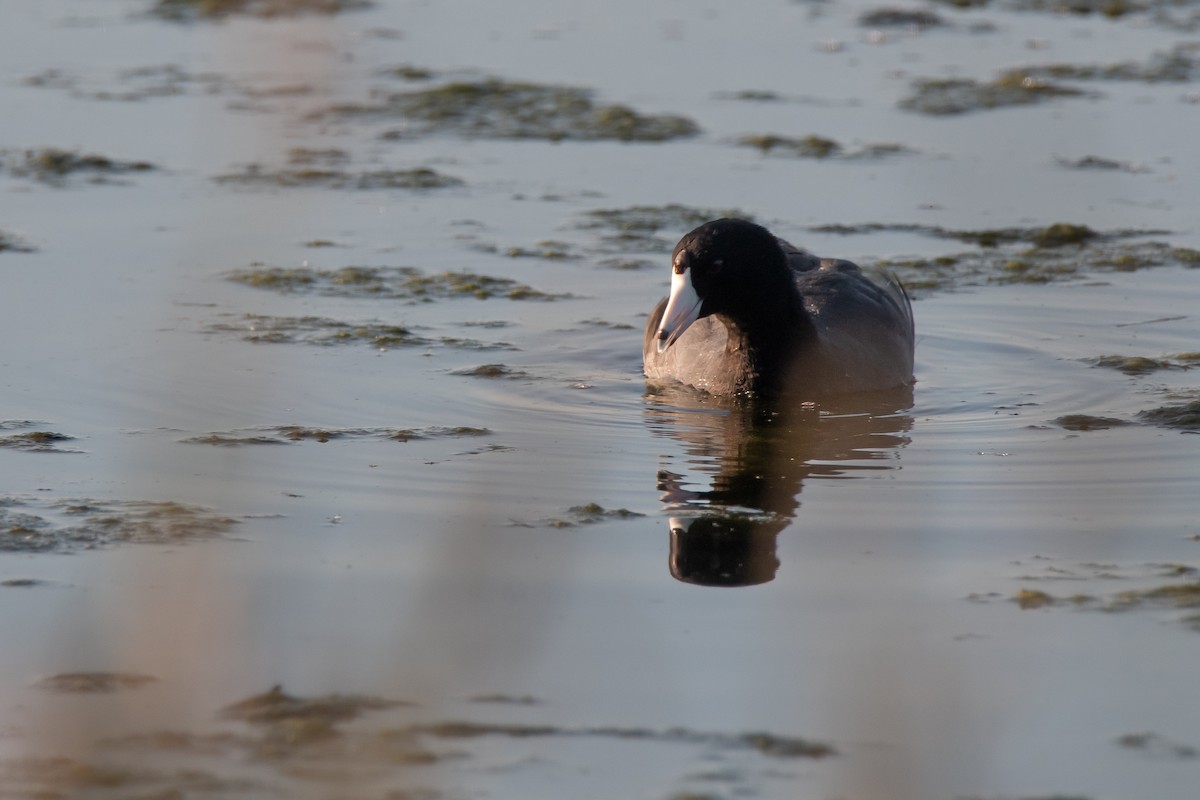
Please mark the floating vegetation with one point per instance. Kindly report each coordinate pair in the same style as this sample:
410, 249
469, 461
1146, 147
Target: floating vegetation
311, 155
59, 777
810, 146
1054, 235
900, 18
391, 283
627, 263
144, 83
750, 95
38, 442
1100, 164
961, 95
546, 249
327, 741
275, 706
506, 699
1142, 365
594, 512
494, 371
1062, 251
265, 329
189, 10
1178, 65
1108, 8
54, 166
1087, 422
1178, 595
327, 178
407, 72
1186, 416
290, 434
1156, 746
1034, 84
10, 243
1036, 265
633, 229
767, 744
35, 525
586, 514
1170, 595
817, 147
22, 583
94, 682
498, 109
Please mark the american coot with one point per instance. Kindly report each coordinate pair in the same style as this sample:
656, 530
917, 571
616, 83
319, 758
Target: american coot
749, 314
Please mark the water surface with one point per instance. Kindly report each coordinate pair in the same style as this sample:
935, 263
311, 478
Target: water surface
430, 497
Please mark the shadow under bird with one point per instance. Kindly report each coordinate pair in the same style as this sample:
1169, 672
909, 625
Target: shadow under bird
750, 314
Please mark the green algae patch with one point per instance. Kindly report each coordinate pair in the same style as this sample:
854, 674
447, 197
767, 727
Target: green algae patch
301, 743
35, 525
1180, 64
500, 109
547, 249
1108, 8
291, 434
767, 744
1056, 234
266, 329
506, 699
892, 17
1088, 422
1185, 417
494, 371
1171, 595
635, 228
1036, 84
811, 146
407, 72
276, 705
1156, 746
750, 95
419, 178
1099, 164
1143, 365
190, 10
1033, 598
587, 514
594, 512
391, 283
60, 777
94, 682
817, 147
944, 97
38, 442
55, 166
1062, 233
1047, 262
12, 244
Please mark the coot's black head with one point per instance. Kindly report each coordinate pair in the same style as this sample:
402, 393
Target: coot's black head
728, 266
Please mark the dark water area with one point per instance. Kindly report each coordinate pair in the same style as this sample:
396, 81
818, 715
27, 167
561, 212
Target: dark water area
327, 468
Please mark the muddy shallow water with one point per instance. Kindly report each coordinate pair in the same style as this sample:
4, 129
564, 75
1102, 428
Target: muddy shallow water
327, 468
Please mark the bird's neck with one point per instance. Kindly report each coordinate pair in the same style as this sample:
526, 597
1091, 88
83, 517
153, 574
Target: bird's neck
768, 353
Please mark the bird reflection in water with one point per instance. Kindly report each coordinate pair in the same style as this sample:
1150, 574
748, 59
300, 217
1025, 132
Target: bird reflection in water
752, 459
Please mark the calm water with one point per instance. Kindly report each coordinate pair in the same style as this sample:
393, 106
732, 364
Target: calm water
977, 590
